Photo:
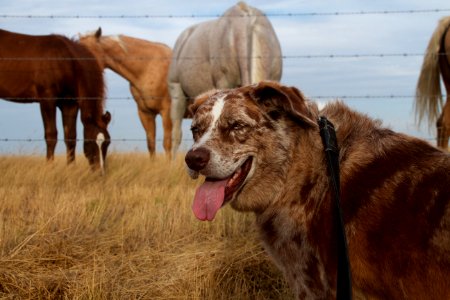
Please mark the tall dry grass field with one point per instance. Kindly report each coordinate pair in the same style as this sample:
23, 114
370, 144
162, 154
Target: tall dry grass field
68, 233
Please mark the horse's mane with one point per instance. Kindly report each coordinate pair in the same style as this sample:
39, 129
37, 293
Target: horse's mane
428, 90
118, 38
91, 88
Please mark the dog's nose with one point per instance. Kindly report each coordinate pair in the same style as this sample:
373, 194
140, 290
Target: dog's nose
197, 159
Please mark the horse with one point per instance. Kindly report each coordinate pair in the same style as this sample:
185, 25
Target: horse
237, 49
428, 98
57, 72
145, 65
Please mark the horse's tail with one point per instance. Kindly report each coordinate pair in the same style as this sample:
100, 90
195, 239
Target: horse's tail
257, 68
264, 50
428, 100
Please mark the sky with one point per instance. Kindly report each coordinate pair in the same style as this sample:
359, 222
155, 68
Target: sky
321, 52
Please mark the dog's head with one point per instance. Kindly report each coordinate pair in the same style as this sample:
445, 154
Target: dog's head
241, 144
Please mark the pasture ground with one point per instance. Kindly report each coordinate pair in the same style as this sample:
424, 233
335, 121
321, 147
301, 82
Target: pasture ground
68, 233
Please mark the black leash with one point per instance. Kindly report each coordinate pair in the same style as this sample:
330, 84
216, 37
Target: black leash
344, 281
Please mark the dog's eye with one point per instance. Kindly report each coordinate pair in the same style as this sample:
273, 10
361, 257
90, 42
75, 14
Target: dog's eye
195, 129
236, 126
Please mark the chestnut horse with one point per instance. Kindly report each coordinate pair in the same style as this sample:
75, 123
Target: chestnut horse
59, 73
428, 94
145, 65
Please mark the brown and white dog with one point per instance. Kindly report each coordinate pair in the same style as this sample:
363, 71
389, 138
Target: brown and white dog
260, 150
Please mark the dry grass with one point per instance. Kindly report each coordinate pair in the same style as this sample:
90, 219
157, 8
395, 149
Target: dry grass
67, 233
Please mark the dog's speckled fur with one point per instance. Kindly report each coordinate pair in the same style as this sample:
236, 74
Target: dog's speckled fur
395, 192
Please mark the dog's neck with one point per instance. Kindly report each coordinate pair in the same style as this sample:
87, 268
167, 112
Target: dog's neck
286, 236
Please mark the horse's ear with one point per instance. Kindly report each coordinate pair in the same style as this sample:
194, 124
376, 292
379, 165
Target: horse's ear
106, 117
98, 33
276, 99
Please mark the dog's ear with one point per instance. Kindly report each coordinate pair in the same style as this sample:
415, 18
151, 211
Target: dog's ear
276, 99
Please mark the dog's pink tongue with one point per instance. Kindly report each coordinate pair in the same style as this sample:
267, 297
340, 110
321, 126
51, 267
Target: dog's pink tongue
208, 199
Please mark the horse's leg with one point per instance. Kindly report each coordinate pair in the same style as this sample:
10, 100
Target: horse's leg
148, 121
443, 126
147, 118
177, 111
439, 130
444, 119
167, 126
69, 118
48, 112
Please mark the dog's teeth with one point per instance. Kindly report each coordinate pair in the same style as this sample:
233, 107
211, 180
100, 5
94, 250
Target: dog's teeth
235, 175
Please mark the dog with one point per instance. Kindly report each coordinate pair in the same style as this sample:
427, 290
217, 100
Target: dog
260, 151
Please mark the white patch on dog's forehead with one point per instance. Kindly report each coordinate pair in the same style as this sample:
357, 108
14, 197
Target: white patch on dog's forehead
216, 111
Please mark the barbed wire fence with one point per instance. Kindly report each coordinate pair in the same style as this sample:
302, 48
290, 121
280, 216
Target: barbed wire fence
195, 16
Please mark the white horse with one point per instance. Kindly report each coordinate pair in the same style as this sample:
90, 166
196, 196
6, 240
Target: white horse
237, 49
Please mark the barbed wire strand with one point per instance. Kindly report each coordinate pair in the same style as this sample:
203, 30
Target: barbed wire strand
126, 98
301, 56
114, 139
193, 16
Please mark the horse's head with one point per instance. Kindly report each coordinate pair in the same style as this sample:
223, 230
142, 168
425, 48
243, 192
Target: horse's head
96, 142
